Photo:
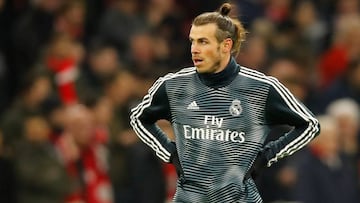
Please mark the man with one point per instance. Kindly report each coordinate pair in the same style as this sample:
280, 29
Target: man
85, 157
220, 113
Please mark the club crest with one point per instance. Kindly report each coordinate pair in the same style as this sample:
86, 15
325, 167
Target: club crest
235, 109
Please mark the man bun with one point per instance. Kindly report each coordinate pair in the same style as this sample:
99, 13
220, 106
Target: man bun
225, 9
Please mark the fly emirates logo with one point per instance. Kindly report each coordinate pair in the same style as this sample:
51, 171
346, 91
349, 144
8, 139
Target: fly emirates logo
213, 131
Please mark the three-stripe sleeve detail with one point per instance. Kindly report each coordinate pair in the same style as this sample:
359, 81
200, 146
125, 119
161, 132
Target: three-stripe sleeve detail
308, 134
144, 135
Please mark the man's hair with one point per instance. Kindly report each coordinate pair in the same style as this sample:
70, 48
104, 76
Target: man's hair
228, 27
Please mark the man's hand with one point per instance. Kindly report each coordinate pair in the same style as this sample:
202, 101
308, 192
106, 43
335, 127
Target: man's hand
176, 162
257, 167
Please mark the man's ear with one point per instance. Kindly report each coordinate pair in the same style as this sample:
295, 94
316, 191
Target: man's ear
227, 45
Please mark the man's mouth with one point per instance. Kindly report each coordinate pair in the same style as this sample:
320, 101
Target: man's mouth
197, 61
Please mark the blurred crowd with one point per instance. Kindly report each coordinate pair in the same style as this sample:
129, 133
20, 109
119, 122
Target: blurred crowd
70, 71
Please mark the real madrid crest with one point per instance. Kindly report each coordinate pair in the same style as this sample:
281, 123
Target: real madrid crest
235, 108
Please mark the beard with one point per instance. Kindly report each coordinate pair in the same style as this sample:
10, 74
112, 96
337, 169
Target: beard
214, 67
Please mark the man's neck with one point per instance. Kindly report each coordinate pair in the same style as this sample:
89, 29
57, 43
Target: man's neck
223, 63
222, 78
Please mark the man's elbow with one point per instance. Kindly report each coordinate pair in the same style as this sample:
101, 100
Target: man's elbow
317, 128
133, 118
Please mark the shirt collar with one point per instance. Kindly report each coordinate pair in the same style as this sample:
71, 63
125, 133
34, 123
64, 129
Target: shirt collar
222, 78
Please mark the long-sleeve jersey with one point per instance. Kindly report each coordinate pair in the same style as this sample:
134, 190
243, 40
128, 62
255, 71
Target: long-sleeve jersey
220, 123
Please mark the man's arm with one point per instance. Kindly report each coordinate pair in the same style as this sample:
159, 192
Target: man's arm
283, 108
154, 106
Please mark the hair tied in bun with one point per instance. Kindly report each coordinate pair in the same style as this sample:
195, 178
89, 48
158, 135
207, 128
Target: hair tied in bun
225, 9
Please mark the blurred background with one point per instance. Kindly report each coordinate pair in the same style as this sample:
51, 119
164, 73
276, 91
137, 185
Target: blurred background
71, 70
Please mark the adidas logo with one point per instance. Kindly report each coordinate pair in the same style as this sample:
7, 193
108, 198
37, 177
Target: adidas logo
193, 105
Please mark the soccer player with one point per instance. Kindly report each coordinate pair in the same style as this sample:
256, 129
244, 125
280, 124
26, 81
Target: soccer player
221, 114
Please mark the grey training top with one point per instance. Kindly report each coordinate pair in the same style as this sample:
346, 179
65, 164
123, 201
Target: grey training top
221, 122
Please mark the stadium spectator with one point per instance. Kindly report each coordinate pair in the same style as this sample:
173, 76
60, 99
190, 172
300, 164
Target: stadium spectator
63, 57
118, 23
101, 64
70, 19
345, 47
36, 87
29, 35
324, 175
40, 174
254, 52
346, 86
347, 115
85, 158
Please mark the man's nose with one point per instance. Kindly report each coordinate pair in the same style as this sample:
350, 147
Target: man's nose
194, 49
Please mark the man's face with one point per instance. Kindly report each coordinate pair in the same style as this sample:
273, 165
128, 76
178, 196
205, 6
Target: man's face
205, 49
